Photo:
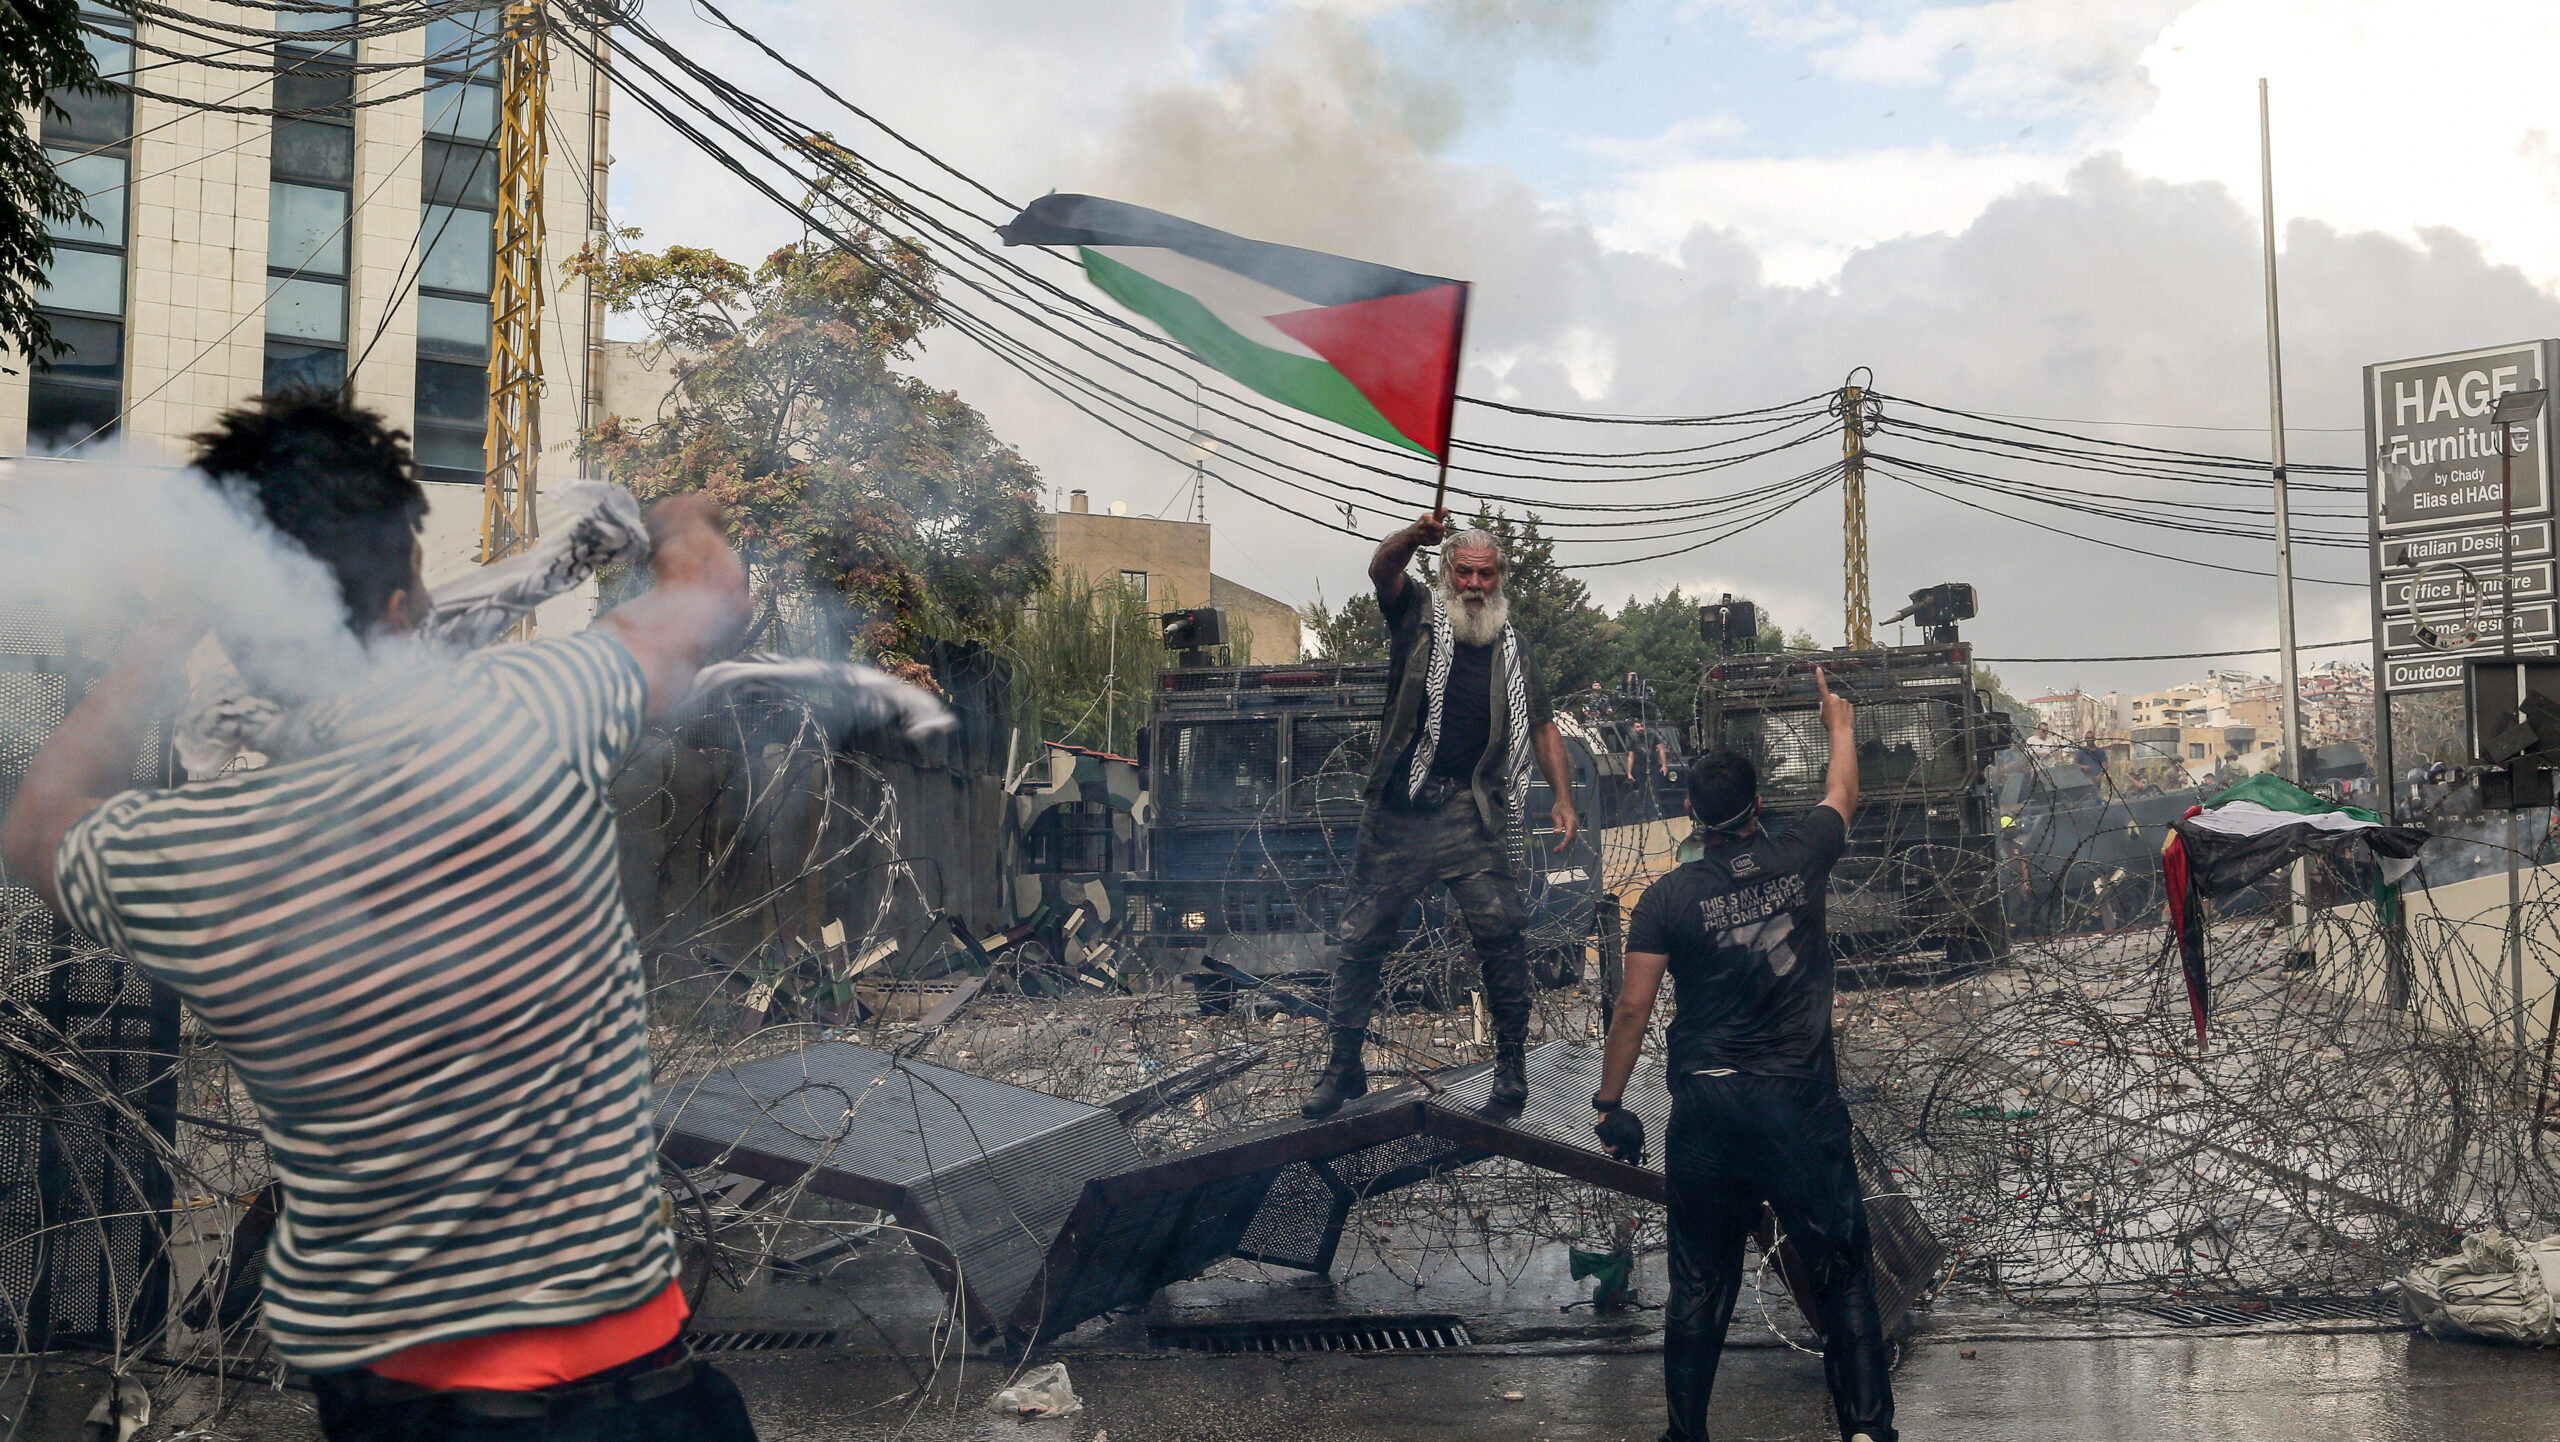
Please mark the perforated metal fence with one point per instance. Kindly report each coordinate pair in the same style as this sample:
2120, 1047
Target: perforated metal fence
88, 1057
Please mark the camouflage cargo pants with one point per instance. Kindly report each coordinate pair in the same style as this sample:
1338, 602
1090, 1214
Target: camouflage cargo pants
1402, 852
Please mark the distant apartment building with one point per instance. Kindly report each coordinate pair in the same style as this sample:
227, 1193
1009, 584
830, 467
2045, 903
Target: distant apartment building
1165, 564
2073, 714
2181, 705
317, 210
2337, 704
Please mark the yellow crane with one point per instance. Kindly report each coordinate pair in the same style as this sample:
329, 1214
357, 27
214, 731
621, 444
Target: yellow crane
515, 294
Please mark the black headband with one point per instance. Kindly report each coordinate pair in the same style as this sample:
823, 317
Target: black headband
1729, 822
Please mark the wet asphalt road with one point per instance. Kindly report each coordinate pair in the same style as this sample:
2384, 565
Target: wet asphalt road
2376, 1387
2389, 1387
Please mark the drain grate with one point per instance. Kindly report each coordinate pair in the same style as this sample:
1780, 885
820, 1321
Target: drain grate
805, 1340
1324, 1334
2381, 1311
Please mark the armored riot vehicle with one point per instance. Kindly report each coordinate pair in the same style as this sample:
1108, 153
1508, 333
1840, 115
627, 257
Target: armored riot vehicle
1254, 776
1922, 868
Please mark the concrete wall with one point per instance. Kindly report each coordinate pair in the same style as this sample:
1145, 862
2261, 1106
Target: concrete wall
636, 379
1274, 622
2465, 924
1175, 557
1174, 554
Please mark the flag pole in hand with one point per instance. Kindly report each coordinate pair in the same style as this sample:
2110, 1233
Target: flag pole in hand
1449, 403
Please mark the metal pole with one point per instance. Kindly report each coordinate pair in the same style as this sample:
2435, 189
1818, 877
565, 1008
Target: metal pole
1857, 610
2288, 663
2507, 652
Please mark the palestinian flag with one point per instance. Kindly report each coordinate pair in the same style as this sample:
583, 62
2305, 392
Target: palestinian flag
1368, 346
2258, 827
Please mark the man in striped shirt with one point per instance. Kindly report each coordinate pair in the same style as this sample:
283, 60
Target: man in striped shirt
408, 937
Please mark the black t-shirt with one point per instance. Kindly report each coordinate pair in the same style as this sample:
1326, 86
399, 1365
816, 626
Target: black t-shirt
1750, 961
1466, 718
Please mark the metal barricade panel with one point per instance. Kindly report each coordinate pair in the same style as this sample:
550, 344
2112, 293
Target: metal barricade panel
89, 1091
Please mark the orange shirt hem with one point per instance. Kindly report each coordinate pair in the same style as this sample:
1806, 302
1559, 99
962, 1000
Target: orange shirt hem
529, 1358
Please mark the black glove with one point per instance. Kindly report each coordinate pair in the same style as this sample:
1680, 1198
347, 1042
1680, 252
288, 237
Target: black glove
1622, 1132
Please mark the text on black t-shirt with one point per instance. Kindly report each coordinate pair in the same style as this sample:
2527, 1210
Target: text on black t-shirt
1750, 961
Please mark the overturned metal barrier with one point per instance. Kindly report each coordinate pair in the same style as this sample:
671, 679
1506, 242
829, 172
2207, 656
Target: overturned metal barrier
980, 1172
1038, 1214
1282, 1193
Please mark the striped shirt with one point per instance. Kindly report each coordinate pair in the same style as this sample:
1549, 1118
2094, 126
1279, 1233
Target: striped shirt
413, 950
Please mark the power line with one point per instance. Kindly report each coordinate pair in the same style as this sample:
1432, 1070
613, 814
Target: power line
2167, 656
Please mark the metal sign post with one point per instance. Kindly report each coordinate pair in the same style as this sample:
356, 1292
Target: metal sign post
2448, 530
2512, 412
2447, 535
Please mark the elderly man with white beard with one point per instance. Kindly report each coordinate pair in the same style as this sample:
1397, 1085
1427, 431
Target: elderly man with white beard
1465, 715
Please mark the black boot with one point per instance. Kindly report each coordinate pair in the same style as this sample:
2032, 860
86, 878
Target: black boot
1344, 1077
1510, 1077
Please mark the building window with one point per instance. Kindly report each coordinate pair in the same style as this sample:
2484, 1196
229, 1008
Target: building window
2195, 751
310, 200
1134, 583
457, 240
78, 396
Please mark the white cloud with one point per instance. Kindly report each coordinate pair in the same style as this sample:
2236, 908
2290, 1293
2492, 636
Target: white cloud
2043, 284
2002, 55
2010, 54
2389, 115
1806, 216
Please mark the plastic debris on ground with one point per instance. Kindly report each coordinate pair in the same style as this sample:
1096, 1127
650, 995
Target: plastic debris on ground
1041, 1392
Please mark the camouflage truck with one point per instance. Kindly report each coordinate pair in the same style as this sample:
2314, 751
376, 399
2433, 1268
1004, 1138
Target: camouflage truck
1253, 777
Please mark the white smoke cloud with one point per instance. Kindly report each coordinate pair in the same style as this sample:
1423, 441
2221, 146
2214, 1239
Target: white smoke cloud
2084, 284
97, 543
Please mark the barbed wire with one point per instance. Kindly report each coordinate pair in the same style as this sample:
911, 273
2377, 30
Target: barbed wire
2049, 1110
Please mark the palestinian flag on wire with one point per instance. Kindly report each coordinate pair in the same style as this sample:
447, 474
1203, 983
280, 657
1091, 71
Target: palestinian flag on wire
2257, 827
1371, 347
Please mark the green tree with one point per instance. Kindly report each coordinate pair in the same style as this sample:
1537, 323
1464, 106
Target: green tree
1355, 633
1659, 641
42, 54
891, 505
1571, 638
1085, 658
1986, 679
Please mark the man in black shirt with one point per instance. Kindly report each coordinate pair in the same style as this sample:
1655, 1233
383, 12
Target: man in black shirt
1756, 1113
1465, 716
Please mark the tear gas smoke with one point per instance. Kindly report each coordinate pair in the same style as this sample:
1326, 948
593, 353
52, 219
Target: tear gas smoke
99, 542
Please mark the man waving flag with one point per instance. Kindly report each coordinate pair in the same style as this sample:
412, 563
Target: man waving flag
1367, 346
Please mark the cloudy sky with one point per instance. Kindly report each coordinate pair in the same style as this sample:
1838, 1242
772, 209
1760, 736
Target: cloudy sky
2042, 208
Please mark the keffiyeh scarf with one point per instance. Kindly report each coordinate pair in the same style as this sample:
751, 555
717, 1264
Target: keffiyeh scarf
1515, 690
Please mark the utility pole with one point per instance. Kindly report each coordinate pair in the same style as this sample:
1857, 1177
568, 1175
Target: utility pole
1857, 413
514, 442
2288, 663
